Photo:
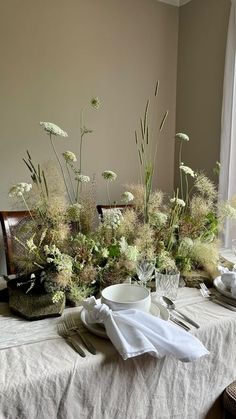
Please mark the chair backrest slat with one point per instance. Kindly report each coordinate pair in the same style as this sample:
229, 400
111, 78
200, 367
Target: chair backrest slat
9, 220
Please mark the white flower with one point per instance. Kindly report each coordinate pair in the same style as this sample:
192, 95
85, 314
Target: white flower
131, 252
178, 201
19, 189
187, 170
104, 252
69, 157
53, 129
83, 178
95, 103
51, 250
127, 197
158, 219
109, 175
112, 217
181, 136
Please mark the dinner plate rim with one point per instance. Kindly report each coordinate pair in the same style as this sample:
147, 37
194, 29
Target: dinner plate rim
99, 331
219, 285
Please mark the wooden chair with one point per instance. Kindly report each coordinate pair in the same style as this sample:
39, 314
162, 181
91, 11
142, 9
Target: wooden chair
102, 208
9, 220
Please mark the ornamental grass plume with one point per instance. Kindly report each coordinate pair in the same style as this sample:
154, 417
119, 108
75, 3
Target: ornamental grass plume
128, 225
145, 242
200, 207
206, 255
147, 152
205, 186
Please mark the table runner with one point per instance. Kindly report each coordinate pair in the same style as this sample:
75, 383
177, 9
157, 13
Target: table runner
49, 380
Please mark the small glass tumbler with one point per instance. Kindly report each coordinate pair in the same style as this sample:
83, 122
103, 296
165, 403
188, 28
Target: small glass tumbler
167, 285
233, 244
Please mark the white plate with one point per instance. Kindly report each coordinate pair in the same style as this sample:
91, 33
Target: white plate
220, 286
156, 310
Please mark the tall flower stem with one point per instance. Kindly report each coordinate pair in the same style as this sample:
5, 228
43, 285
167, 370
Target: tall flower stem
72, 186
180, 171
187, 193
27, 207
62, 171
108, 194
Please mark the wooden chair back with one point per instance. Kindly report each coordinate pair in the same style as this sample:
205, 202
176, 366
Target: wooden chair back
9, 220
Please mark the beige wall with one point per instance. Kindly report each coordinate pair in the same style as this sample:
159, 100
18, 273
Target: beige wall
56, 55
201, 54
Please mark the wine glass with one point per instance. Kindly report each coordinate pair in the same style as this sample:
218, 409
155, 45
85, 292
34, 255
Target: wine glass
144, 271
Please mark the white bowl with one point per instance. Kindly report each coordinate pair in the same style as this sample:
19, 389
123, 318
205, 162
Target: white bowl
126, 296
228, 278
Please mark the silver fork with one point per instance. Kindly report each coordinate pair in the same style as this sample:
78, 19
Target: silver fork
66, 334
73, 326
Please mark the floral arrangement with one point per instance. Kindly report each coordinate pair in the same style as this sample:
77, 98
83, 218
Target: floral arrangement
61, 246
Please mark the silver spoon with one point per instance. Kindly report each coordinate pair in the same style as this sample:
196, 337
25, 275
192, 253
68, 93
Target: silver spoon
171, 306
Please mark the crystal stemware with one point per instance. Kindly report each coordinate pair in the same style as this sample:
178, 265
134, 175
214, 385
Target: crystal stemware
144, 271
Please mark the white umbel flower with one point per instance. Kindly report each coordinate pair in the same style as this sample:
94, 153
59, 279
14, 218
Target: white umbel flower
187, 170
178, 201
95, 103
109, 175
83, 178
127, 197
19, 189
112, 217
181, 136
69, 157
53, 129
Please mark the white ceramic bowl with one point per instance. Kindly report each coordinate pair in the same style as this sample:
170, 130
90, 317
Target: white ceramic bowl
126, 296
228, 278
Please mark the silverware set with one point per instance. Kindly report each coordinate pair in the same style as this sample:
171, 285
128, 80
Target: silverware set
218, 298
70, 330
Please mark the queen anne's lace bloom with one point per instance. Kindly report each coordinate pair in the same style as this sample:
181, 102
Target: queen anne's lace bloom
53, 129
178, 201
83, 178
127, 197
19, 189
112, 218
131, 252
95, 103
187, 170
181, 136
69, 157
109, 175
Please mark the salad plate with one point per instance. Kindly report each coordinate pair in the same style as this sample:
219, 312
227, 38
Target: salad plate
220, 286
157, 310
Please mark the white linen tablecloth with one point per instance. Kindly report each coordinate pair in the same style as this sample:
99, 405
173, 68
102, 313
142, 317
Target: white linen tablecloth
47, 379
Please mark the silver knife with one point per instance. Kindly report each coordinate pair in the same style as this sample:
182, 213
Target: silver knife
223, 298
192, 322
223, 304
179, 323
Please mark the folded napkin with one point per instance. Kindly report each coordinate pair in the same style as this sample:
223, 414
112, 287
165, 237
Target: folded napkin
134, 332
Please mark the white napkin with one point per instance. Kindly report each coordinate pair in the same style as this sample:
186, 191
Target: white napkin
134, 332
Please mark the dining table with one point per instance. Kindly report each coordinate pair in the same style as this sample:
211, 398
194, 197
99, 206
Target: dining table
42, 376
